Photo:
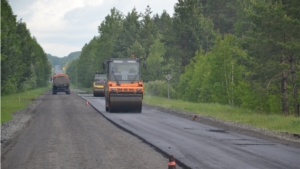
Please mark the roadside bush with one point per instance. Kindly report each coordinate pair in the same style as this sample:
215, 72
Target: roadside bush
8, 87
160, 88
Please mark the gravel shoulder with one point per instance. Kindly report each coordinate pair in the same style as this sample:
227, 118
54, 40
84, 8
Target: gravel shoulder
20, 120
277, 137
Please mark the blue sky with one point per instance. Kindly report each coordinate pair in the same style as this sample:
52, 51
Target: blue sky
64, 26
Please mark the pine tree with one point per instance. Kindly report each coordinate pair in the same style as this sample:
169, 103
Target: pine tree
148, 32
274, 42
128, 35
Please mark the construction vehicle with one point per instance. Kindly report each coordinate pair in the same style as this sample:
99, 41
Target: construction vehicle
60, 83
99, 83
124, 87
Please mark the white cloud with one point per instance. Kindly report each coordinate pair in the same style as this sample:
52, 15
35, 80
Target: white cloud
61, 49
64, 26
49, 15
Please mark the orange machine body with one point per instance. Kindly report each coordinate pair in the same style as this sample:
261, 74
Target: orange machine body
124, 87
60, 74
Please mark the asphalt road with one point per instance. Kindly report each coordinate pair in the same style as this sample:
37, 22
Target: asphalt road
200, 146
64, 133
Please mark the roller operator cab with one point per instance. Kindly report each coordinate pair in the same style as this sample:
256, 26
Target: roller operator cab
99, 83
124, 87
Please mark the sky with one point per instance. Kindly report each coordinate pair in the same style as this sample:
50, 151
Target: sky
65, 26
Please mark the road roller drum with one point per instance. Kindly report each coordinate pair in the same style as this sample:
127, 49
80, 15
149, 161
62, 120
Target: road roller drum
125, 103
124, 87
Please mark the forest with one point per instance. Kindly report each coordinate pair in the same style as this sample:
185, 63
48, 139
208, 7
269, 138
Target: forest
243, 53
54, 60
24, 64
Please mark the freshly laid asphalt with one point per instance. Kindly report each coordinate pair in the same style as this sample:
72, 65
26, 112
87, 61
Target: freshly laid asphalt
197, 145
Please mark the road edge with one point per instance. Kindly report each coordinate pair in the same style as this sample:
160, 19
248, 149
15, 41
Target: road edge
166, 155
277, 137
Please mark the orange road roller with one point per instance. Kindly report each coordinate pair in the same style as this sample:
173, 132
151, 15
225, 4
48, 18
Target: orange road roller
124, 87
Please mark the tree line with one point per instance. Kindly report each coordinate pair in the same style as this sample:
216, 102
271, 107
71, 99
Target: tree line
24, 64
54, 60
242, 53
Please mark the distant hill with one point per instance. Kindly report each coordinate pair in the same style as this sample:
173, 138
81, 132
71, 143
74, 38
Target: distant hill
54, 60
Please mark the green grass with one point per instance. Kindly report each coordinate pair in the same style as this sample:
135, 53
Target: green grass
90, 89
273, 122
13, 103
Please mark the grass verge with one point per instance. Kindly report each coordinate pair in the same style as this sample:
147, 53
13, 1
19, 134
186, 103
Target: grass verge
15, 102
273, 122
89, 90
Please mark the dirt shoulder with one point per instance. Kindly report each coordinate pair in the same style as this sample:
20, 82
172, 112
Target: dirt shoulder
20, 120
277, 137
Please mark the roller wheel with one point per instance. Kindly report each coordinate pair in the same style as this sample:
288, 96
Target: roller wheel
140, 110
106, 107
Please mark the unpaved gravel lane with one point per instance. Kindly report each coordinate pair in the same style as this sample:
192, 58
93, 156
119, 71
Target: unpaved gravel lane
65, 133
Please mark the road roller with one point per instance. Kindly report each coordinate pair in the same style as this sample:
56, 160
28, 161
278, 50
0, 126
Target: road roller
99, 83
124, 87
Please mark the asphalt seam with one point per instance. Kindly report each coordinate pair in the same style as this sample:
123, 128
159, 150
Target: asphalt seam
166, 155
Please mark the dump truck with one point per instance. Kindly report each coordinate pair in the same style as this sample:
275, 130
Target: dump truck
99, 83
60, 83
124, 87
